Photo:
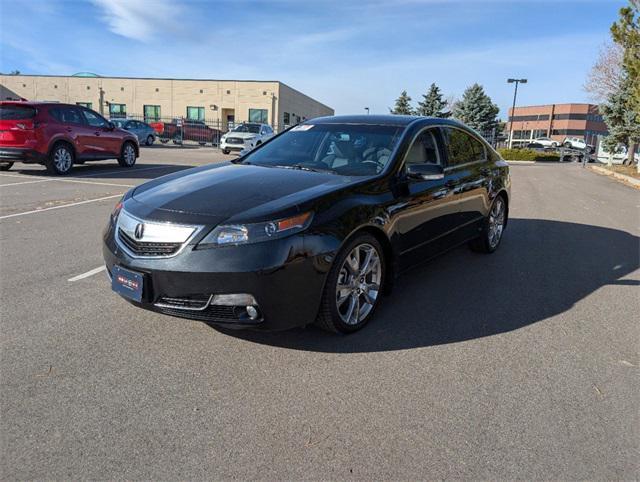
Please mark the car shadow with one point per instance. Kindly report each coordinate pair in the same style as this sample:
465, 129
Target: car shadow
541, 269
103, 171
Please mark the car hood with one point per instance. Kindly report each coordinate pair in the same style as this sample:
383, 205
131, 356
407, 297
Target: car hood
242, 135
224, 191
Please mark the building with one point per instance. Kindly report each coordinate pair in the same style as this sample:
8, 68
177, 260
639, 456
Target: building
556, 121
221, 102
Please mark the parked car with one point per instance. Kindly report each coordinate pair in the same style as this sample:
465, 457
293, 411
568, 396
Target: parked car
312, 226
576, 143
619, 156
546, 142
59, 135
245, 136
144, 132
179, 130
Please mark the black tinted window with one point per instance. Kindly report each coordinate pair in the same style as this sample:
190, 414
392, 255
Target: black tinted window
16, 112
461, 147
67, 115
424, 150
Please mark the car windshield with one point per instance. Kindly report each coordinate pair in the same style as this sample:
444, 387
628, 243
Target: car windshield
253, 128
16, 112
346, 149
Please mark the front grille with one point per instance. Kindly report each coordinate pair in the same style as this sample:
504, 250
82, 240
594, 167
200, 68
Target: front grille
147, 249
235, 140
221, 314
186, 303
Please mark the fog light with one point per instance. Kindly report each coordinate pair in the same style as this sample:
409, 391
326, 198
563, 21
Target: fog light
252, 312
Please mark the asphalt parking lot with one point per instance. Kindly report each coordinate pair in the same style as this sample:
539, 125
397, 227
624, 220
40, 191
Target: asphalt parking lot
523, 364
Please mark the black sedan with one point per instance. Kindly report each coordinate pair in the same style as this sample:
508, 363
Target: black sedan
312, 226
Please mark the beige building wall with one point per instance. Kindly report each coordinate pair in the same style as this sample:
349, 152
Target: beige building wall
221, 99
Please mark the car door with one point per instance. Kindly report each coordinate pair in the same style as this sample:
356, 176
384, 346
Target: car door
106, 139
75, 129
425, 211
469, 176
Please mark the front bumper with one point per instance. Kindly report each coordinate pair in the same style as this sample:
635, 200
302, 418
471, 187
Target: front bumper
20, 154
286, 277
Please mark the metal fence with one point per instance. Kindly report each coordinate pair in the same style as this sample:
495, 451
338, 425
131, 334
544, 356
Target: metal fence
179, 130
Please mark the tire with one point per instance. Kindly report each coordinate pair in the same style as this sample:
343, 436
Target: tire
567, 145
127, 155
554, 144
5, 166
149, 141
226, 152
60, 160
348, 309
496, 220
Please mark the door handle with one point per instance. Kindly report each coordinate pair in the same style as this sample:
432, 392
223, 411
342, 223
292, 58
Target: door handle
97, 133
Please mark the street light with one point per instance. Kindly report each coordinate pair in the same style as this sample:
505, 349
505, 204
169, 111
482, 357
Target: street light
367, 109
513, 109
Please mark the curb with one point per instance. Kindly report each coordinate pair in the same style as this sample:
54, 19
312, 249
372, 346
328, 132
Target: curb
523, 163
632, 181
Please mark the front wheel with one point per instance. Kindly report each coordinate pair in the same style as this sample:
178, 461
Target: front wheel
354, 286
5, 166
226, 151
554, 144
60, 160
127, 155
493, 227
567, 145
149, 141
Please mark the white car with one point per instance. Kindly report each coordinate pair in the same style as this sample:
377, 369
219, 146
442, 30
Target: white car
576, 143
245, 136
546, 142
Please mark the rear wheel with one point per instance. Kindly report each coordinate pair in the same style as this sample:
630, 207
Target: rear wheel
60, 160
493, 228
5, 166
226, 151
567, 145
127, 155
353, 288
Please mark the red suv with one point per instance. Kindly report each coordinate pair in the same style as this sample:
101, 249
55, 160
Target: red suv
59, 135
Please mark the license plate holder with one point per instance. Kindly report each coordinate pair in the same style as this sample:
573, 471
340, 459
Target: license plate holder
127, 283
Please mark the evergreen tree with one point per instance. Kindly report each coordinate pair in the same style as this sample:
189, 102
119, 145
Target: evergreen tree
476, 109
433, 104
622, 119
403, 105
626, 33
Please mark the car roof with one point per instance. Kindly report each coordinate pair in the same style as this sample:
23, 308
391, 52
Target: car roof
389, 120
36, 103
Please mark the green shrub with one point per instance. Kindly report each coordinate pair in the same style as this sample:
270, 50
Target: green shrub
528, 155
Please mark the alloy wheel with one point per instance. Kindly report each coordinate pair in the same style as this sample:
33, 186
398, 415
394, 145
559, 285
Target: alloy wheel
129, 154
358, 284
62, 159
496, 222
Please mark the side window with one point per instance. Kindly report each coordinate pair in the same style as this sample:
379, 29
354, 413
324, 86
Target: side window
478, 149
94, 120
460, 149
268, 129
70, 115
424, 149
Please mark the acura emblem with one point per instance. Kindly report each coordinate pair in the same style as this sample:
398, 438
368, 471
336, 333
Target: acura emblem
139, 232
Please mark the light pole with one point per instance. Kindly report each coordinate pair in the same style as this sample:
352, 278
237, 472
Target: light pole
367, 109
513, 109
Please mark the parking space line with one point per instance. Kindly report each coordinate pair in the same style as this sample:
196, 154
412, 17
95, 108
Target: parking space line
60, 207
26, 182
120, 171
91, 272
96, 183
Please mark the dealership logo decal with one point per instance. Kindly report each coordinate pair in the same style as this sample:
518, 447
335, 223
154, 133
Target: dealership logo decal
139, 232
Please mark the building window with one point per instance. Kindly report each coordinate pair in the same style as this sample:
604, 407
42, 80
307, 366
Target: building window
117, 111
88, 105
521, 134
567, 132
201, 91
151, 113
527, 118
258, 115
195, 113
228, 92
286, 118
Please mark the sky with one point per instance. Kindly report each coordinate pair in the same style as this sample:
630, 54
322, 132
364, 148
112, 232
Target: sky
348, 54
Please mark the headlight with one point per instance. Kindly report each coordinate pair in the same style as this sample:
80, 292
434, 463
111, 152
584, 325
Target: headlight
116, 210
233, 234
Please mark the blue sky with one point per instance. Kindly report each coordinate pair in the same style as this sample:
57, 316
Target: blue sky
346, 53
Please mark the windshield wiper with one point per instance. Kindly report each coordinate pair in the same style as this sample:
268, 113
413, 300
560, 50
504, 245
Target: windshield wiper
300, 167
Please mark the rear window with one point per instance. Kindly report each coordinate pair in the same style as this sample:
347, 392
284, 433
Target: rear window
16, 112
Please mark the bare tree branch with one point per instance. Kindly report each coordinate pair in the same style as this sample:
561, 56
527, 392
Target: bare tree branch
606, 74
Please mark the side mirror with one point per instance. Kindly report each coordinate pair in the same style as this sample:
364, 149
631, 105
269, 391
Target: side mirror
111, 126
425, 172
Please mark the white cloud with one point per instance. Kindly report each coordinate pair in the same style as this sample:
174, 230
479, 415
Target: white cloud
140, 19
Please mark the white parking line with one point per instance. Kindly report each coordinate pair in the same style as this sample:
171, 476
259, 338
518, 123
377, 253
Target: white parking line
60, 207
91, 272
93, 182
26, 182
